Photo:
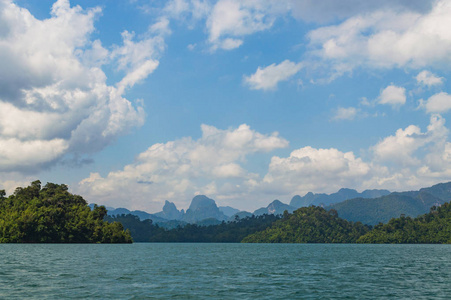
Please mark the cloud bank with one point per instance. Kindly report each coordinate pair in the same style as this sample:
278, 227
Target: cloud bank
54, 97
215, 165
179, 169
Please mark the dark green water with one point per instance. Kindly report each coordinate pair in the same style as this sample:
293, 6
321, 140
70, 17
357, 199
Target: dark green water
225, 271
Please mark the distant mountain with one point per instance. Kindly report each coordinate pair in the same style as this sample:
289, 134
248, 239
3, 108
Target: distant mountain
382, 209
325, 199
202, 208
170, 212
139, 213
91, 206
228, 211
441, 190
118, 211
274, 208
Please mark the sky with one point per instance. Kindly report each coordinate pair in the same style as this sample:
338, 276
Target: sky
135, 102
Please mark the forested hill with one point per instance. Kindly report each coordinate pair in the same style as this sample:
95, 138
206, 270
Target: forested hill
431, 228
225, 232
53, 215
310, 225
382, 209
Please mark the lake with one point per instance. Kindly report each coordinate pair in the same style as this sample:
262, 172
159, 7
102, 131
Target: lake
225, 271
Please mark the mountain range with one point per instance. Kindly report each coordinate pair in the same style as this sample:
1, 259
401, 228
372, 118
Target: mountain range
382, 209
369, 207
342, 195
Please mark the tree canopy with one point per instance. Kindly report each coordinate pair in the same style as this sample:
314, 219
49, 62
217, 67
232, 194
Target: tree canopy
431, 228
225, 232
53, 215
310, 225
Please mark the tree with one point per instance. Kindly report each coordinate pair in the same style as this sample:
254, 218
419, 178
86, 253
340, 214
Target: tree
53, 215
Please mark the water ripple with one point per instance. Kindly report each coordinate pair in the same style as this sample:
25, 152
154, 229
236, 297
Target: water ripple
225, 271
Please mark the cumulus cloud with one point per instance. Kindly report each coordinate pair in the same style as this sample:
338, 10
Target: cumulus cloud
188, 9
438, 103
267, 78
230, 20
178, 169
227, 22
409, 159
343, 113
309, 169
400, 148
54, 96
215, 164
11, 180
387, 39
393, 95
429, 79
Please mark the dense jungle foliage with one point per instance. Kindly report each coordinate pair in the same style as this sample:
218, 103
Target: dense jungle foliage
431, 228
226, 232
310, 225
53, 215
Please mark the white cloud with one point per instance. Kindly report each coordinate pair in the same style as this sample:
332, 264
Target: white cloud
267, 78
229, 43
230, 20
178, 169
343, 113
309, 169
393, 95
138, 59
427, 78
387, 39
191, 47
215, 165
227, 22
184, 9
54, 95
11, 180
410, 159
438, 103
400, 148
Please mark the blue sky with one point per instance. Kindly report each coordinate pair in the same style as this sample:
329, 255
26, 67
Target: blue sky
135, 102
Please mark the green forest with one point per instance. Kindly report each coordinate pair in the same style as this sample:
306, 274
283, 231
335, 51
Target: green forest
431, 228
226, 232
53, 215
310, 225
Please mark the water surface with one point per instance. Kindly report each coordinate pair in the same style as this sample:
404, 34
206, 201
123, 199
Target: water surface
225, 271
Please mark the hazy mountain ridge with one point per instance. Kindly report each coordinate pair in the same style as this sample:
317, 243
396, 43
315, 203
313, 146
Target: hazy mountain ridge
170, 212
203, 208
382, 209
328, 199
274, 208
228, 211
365, 208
